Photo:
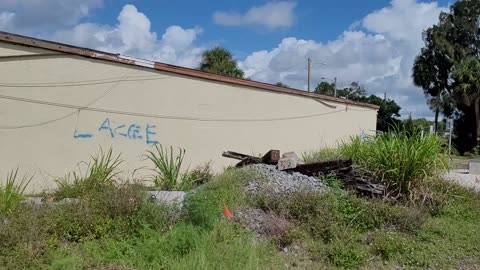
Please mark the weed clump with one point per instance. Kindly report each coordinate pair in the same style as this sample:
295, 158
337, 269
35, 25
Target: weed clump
100, 174
168, 170
324, 154
11, 194
402, 160
204, 207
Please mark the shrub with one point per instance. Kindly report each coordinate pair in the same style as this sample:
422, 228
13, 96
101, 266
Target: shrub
323, 154
100, 174
201, 174
25, 237
332, 182
186, 246
389, 245
11, 194
226, 241
400, 159
168, 168
205, 206
113, 212
346, 254
324, 216
30, 234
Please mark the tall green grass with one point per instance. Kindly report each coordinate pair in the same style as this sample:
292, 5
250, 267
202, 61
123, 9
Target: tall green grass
168, 168
324, 154
11, 194
100, 173
226, 246
401, 159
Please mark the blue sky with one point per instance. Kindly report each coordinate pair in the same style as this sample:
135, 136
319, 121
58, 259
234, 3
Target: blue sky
318, 20
373, 42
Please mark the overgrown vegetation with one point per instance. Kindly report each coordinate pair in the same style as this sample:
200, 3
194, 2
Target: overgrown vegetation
116, 225
324, 154
12, 192
168, 169
99, 174
447, 69
120, 227
402, 160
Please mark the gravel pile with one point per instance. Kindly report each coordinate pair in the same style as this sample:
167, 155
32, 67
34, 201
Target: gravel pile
279, 182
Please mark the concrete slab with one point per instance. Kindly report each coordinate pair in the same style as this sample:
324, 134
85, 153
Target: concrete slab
464, 179
168, 197
293, 155
287, 163
474, 166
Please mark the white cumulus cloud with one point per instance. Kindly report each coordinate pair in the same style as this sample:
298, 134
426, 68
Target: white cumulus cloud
133, 36
271, 15
41, 16
378, 51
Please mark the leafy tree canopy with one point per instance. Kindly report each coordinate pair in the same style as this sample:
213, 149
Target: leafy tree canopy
388, 113
447, 65
325, 88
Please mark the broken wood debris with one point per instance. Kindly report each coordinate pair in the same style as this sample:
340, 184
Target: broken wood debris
245, 159
342, 169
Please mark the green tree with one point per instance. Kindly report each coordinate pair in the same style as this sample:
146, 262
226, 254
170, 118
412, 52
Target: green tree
431, 71
467, 86
325, 88
388, 113
389, 110
422, 123
220, 61
354, 92
448, 44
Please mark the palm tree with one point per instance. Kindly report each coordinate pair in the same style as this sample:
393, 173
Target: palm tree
467, 82
220, 61
429, 74
432, 70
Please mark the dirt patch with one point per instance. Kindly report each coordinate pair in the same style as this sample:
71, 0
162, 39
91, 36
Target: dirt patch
265, 224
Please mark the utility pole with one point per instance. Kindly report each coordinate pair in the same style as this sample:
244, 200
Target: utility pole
450, 130
309, 67
335, 86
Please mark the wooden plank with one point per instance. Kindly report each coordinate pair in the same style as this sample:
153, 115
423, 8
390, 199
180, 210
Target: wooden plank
239, 156
314, 169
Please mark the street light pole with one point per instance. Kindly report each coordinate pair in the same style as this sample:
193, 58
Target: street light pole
335, 87
450, 129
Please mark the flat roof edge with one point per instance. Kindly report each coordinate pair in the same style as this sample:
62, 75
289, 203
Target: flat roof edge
90, 53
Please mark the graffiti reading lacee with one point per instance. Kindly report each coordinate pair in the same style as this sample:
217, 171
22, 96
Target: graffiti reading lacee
120, 130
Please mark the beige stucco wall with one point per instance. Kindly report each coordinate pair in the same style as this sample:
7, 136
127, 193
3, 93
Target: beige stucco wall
40, 138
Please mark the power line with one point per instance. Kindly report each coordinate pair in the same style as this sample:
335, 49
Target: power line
72, 113
159, 116
41, 123
80, 83
296, 65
